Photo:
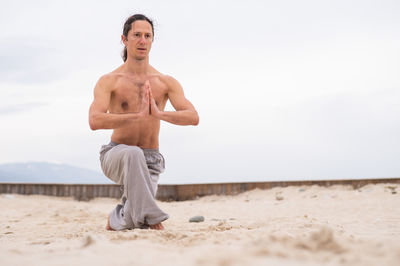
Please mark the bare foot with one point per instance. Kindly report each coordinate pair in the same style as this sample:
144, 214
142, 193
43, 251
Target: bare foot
108, 227
158, 226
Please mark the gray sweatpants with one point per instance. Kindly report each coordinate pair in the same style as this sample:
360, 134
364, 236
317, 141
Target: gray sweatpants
138, 171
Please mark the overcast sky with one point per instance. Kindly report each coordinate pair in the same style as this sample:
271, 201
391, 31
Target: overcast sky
284, 89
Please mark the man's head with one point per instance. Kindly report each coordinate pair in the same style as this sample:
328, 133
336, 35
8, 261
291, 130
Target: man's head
137, 36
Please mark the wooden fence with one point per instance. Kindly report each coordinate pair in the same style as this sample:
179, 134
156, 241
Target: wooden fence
171, 192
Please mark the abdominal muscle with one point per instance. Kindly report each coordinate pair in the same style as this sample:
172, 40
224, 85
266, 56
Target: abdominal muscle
143, 134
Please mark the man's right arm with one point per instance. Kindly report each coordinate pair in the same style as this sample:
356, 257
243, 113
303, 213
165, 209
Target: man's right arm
99, 118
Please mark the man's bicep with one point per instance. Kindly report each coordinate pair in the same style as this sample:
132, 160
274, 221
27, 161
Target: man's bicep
101, 99
177, 97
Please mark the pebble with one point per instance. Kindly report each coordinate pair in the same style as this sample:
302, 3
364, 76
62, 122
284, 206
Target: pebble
277, 197
87, 241
196, 219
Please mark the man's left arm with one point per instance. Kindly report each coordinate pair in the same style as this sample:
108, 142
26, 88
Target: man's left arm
185, 113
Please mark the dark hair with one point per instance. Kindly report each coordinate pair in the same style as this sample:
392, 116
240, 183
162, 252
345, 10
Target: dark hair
128, 27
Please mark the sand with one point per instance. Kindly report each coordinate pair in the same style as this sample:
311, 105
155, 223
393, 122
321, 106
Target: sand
307, 225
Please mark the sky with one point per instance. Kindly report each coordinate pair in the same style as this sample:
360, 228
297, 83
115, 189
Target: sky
285, 90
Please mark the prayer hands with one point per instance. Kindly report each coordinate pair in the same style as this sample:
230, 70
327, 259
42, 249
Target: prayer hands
154, 111
149, 105
145, 105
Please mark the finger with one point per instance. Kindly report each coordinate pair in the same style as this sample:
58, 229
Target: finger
146, 97
147, 84
153, 101
151, 96
149, 100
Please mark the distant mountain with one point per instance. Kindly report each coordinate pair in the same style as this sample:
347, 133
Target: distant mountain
43, 172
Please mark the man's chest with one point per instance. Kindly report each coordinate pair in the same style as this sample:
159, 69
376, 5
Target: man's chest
127, 95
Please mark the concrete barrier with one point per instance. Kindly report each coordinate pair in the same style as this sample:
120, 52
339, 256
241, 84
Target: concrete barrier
172, 192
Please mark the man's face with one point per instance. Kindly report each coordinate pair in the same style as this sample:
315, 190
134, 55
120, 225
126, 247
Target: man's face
139, 40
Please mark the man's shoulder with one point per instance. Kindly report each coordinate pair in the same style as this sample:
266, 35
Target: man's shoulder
109, 78
168, 80
164, 78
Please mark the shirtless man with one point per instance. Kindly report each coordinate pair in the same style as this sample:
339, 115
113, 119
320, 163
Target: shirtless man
131, 101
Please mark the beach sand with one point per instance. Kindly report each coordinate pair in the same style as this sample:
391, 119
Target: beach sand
308, 225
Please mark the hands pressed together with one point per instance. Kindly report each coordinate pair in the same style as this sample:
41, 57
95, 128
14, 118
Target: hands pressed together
149, 105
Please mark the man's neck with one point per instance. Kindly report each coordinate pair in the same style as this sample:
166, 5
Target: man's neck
137, 67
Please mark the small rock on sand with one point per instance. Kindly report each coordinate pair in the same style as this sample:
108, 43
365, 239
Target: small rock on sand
279, 197
87, 241
196, 219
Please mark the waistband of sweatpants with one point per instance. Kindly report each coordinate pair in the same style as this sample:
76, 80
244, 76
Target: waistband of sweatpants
145, 150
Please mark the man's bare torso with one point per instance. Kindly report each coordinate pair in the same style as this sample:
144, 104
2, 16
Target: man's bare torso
126, 95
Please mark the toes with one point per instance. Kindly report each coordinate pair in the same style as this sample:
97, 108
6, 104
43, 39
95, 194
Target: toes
158, 226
